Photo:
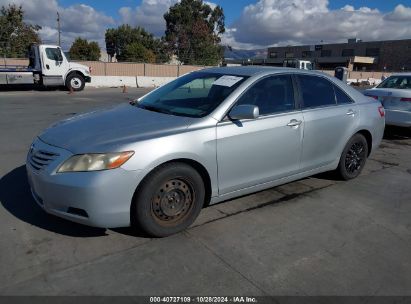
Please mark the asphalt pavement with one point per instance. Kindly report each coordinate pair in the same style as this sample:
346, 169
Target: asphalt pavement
316, 236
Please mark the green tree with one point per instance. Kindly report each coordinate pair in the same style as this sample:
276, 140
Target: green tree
16, 35
119, 39
193, 31
81, 49
136, 52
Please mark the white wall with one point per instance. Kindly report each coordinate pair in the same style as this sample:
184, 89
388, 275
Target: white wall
128, 81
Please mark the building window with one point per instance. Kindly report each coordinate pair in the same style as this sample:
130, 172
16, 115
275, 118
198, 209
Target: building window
372, 52
326, 53
289, 55
307, 54
273, 54
347, 53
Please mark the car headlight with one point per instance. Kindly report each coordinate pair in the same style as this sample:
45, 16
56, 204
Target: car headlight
95, 162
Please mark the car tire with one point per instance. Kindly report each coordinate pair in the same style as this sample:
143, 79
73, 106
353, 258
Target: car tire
168, 200
353, 158
75, 82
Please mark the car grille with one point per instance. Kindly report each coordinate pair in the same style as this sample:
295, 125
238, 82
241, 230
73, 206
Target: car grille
39, 159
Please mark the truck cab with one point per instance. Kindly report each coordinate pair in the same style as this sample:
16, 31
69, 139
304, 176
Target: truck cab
298, 64
48, 66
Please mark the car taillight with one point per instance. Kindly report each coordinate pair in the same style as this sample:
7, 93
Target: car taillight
372, 96
381, 111
406, 99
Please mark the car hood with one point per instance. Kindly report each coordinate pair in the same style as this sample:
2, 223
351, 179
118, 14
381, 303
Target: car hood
110, 129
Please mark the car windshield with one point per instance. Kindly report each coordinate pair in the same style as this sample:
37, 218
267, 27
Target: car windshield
396, 82
194, 95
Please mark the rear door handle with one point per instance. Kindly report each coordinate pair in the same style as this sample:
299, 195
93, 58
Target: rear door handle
294, 123
351, 112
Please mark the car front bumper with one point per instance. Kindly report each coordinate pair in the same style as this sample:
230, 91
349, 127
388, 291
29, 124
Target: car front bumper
99, 199
398, 118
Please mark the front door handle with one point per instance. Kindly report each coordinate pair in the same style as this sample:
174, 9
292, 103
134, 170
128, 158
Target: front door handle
351, 112
294, 123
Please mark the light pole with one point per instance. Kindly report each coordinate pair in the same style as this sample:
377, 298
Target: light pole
58, 29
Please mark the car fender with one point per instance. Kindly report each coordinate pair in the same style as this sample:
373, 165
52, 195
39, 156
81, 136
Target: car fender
198, 146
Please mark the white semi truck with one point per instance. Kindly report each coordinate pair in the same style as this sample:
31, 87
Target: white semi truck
48, 66
298, 64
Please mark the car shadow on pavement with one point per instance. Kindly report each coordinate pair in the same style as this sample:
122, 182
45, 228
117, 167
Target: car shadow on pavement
329, 175
397, 133
16, 198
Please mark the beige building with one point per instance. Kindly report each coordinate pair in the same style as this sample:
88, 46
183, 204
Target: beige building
357, 55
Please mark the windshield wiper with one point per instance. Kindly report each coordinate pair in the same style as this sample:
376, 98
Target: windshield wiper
154, 109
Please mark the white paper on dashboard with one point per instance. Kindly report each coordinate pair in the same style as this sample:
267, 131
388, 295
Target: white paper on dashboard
227, 80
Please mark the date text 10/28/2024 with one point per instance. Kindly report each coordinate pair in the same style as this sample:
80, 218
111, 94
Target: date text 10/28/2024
203, 299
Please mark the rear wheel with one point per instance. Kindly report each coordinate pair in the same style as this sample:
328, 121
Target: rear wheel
353, 158
75, 82
168, 200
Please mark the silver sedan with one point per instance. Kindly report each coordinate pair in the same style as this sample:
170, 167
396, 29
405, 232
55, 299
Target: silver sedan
206, 137
395, 95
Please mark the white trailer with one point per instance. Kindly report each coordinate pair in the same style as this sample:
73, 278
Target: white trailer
48, 66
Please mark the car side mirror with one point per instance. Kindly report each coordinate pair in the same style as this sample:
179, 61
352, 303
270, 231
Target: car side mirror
244, 112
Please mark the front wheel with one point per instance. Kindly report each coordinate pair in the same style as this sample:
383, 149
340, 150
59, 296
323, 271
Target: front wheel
168, 200
353, 158
75, 82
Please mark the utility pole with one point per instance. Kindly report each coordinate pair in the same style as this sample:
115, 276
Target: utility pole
58, 28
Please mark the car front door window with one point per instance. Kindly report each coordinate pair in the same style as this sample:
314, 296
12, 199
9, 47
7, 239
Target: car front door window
272, 95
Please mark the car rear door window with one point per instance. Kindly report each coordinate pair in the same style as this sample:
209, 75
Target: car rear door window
342, 97
273, 94
316, 91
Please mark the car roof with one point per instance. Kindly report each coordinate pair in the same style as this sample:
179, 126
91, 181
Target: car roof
267, 70
254, 70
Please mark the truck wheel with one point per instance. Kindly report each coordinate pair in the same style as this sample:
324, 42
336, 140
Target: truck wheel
75, 82
169, 200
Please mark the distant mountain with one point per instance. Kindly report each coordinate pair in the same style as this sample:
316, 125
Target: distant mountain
230, 53
245, 54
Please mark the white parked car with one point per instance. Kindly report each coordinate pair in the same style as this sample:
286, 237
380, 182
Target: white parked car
395, 95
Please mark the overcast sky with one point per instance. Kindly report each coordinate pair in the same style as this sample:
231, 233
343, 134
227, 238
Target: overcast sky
250, 24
